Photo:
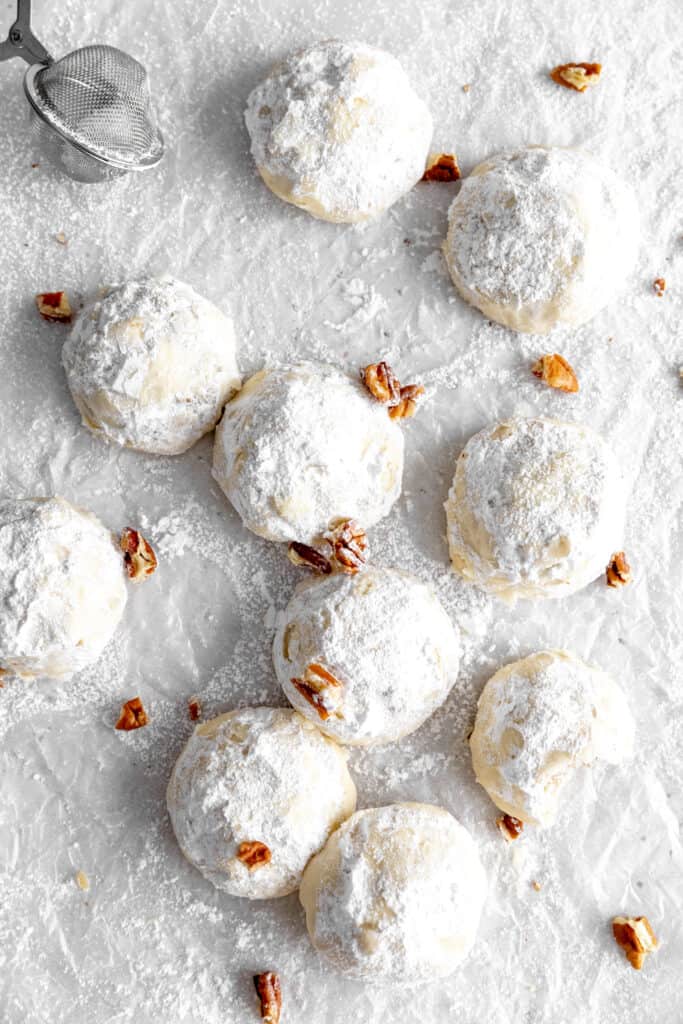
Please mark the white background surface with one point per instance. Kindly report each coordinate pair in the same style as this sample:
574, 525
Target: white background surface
151, 940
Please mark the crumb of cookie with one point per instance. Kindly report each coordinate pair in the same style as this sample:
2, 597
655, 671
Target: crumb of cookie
54, 306
636, 937
61, 238
536, 886
467, 87
576, 76
659, 286
133, 715
442, 167
82, 881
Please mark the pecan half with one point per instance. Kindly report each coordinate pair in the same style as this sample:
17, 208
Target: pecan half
253, 854
133, 715
382, 383
349, 544
636, 937
319, 687
554, 370
194, 708
618, 571
510, 828
576, 76
138, 555
407, 404
54, 306
270, 993
304, 554
659, 285
442, 167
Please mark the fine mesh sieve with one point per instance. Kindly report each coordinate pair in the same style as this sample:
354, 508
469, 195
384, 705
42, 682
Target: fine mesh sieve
91, 110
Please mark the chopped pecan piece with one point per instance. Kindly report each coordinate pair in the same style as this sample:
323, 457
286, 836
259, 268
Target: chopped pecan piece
618, 571
194, 708
133, 715
510, 828
576, 76
303, 554
636, 938
349, 543
253, 854
54, 306
382, 383
318, 687
555, 371
270, 993
138, 555
442, 167
659, 285
407, 405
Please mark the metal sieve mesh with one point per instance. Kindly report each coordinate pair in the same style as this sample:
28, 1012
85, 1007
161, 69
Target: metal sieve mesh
97, 99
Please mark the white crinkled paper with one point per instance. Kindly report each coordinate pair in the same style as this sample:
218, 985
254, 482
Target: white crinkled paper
150, 940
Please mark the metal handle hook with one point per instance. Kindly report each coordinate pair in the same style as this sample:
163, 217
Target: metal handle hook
21, 42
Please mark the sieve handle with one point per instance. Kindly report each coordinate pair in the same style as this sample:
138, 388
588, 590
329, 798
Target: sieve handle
21, 41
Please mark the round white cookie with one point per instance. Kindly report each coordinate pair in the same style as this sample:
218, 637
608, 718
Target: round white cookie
367, 657
252, 779
538, 720
541, 236
62, 587
395, 894
303, 445
536, 508
151, 364
337, 130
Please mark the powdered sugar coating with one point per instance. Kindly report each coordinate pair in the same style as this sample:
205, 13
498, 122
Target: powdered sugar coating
538, 720
257, 775
338, 130
396, 894
384, 636
541, 236
150, 364
62, 587
536, 508
303, 445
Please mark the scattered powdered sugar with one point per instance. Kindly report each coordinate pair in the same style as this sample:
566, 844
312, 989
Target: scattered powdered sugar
304, 445
384, 637
536, 507
257, 775
338, 129
397, 894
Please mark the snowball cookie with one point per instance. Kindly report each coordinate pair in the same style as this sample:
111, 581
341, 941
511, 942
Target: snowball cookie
255, 778
303, 445
151, 364
537, 721
541, 236
337, 130
536, 508
388, 652
395, 894
62, 587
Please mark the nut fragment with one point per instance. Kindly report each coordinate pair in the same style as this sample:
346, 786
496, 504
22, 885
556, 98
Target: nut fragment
133, 715
636, 938
618, 571
349, 543
536, 886
138, 555
54, 306
194, 708
576, 76
659, 285
320, 688
510, 828
442, 167
555, 371
82, 881
303, 554
382, 383
407, 405
61, 238
253, 854
270, 993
